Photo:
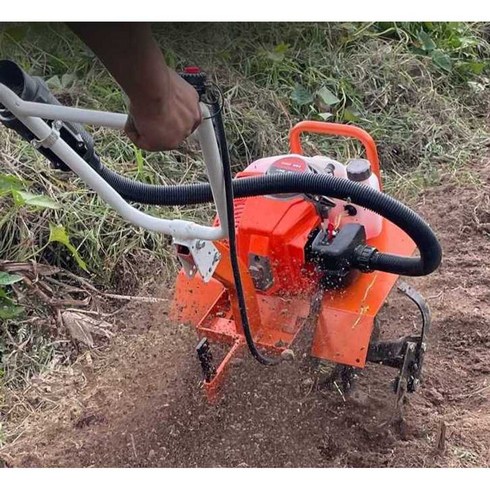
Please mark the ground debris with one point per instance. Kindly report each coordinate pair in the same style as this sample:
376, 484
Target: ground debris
82, 327
441, 438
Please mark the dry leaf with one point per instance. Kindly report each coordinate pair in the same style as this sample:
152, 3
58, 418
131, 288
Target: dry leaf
82, 327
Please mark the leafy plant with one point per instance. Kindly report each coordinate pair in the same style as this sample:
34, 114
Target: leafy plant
8, 308
10, 184
278, 53
326, 105
65, 82
22, 198
453, 47
301, 96
57, 233
13, 186
327, 97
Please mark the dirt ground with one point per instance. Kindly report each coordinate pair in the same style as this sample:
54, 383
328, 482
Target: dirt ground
137, 402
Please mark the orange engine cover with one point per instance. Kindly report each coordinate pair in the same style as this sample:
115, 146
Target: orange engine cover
272, 233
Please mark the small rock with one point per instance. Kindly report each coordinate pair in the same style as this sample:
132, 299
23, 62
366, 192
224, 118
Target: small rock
359, 397
88, 419
287, 355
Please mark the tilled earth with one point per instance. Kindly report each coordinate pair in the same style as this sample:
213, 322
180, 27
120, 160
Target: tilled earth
139, 403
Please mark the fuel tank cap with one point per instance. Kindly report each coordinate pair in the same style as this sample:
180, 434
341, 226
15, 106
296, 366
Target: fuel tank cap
287, 165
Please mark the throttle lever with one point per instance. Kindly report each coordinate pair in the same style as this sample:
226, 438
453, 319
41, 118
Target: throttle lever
194, 76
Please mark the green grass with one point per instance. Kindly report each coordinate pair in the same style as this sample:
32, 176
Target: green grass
421, 89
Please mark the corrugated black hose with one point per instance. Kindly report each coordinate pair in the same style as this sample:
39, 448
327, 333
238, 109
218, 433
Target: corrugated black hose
308, 183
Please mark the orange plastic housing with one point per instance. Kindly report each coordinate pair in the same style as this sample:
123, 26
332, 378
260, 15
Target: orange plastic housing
279, 230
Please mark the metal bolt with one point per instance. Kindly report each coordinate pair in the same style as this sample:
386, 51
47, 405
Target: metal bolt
200, 244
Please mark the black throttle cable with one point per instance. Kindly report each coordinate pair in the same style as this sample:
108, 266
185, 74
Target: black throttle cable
230, 212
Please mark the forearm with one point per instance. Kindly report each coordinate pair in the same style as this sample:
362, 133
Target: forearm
164, 109
132, 56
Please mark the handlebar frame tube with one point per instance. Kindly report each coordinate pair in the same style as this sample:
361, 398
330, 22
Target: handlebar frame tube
31, 114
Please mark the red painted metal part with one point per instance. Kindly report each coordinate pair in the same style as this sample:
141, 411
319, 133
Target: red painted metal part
212, 387
279, 230
346, 317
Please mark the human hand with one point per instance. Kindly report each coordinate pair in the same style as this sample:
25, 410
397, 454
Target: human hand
163, 122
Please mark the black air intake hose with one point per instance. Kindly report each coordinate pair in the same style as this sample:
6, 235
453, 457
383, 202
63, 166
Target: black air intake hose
324, 185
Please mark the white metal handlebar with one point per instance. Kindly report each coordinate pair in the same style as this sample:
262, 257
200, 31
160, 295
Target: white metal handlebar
31, 114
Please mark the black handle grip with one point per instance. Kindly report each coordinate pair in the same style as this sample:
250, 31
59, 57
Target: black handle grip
34, 89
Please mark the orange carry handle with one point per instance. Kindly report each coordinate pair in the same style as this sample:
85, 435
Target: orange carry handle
336, 129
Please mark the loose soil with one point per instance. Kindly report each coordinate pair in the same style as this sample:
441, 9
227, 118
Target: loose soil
137, 402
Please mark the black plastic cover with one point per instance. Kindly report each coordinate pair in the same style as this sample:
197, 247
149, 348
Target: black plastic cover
334, 257
34, 89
